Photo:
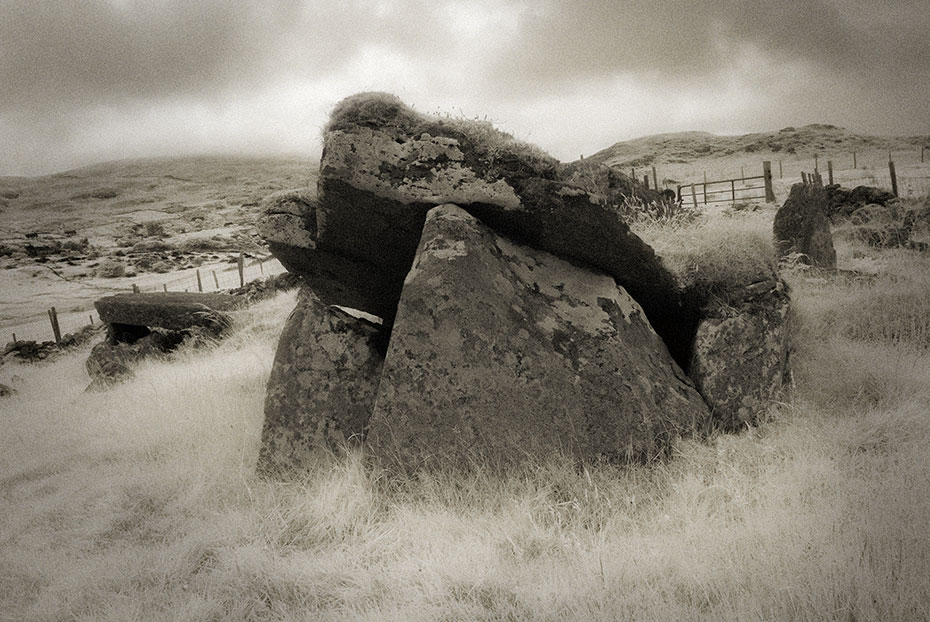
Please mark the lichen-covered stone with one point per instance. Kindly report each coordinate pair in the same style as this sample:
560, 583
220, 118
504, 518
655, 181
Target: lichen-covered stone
801, 227
384, 166
322, 385
740, 355
501, 352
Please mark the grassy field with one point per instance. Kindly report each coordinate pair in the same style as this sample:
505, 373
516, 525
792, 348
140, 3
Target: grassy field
141, 504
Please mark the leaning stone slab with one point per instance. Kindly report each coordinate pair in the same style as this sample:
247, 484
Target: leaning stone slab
801, 227
170, 310
384, 166
740, 355
322, 386
500, 352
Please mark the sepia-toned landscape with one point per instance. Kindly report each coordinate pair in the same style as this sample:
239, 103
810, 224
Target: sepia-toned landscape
141, 501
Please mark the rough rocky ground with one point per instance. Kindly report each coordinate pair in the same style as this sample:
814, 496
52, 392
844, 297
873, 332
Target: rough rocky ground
69, 238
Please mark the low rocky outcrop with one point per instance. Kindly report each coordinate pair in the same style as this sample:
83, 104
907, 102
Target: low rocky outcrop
35, 351
801, 227
110, 361
740, 355
842, 202
500, 352
322, 386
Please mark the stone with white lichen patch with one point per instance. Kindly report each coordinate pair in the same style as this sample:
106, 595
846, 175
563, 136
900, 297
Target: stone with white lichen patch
500, 352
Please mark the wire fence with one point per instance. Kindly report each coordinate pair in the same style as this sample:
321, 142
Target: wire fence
66, 318
850, 169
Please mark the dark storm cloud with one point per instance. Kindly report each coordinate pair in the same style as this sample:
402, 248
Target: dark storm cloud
61, 53
76, 52
562, 40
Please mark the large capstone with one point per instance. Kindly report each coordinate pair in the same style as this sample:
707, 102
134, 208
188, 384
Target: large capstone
322, 387
384, 166
501, 352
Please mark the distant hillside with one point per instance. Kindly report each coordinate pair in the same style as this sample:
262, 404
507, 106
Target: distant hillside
226, 187
805, 141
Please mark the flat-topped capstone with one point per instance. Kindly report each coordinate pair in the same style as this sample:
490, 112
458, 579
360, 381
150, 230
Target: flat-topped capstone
167, 310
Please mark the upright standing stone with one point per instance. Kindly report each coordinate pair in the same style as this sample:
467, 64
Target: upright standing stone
740, 356
322, 385
500, 352
801, 226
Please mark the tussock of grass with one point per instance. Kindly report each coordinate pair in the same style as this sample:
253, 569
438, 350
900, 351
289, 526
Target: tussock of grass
714, 256
891, 307
141, 503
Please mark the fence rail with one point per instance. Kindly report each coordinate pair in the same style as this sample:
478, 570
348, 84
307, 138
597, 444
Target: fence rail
747, 191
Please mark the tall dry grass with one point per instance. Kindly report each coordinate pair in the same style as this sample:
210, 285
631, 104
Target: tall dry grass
141, 504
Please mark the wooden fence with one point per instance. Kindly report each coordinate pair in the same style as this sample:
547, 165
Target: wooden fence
750, 188
54, 324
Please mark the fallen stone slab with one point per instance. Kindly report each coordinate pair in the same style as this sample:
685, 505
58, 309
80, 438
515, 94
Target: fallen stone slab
501, 352
322, 387
174, 311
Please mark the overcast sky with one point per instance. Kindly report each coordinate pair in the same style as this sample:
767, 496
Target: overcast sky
83, 81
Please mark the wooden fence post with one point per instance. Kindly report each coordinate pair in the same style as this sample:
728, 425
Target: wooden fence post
242, 266
53, 318
742, 175
135, 288
655, 179
14, 337
894, 178
704, 191
780, 175
693, 196
164, 286
804, 177
830, 171
767, 179
854, 160
816, 167
91, 318
199, 282
733, 190
633, 173
216, 281
646, 181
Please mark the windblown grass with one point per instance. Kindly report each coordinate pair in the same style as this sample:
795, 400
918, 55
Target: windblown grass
140, 503
714, 254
